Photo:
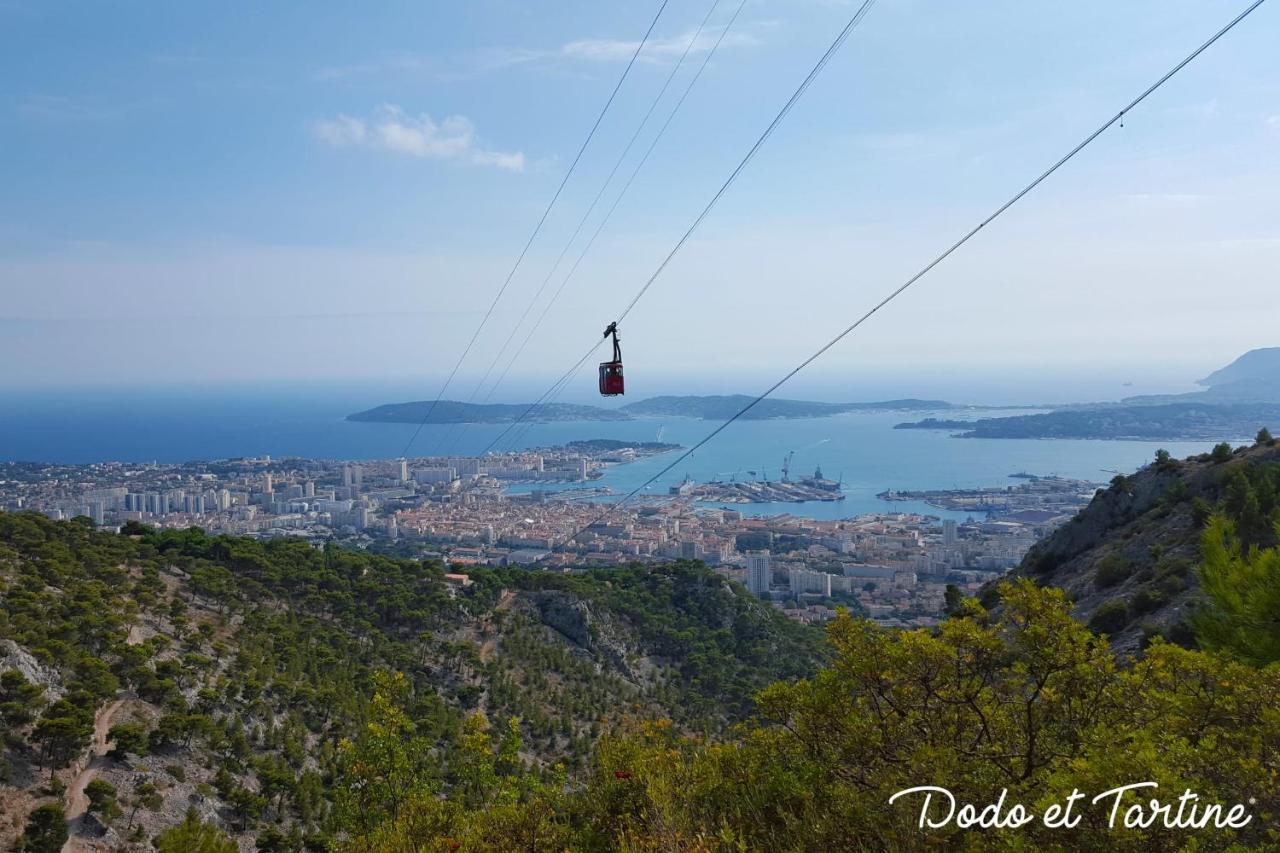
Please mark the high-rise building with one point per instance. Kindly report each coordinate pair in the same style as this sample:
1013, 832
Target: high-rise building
950, 535
346, 475
759, 572
804, 581
435, 475
466, 466
266, 484
404, 470
309, 489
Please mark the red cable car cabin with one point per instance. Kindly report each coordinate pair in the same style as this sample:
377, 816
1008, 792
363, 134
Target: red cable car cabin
611, 384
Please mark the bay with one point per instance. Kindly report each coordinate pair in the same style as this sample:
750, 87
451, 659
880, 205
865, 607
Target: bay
861, 449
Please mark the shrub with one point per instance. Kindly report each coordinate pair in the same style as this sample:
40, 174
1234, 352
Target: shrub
193, 836
1110, 617
1176, 493
1145, 600
46, 830
1221, 453
102, 800
1112, 569
1173, 567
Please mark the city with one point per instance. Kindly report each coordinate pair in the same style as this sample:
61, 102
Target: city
698, 425
539, 509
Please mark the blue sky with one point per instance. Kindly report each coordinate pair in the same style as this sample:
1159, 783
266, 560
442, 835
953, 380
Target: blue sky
234, 192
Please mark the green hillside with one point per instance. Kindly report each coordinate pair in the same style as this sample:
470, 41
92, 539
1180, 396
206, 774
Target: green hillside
224, 674
1129, 559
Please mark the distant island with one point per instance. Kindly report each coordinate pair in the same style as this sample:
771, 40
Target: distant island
454, 412
706, 408
725, 406
1239, 399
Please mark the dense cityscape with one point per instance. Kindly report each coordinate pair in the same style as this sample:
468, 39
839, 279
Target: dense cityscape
542, 509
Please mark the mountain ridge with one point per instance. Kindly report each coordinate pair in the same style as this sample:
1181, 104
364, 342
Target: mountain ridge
1128, 559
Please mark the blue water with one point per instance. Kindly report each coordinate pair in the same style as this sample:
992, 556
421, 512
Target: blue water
863, 449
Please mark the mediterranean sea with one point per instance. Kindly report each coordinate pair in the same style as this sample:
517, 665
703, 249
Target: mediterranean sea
863, 450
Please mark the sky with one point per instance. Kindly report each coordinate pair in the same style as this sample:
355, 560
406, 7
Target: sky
200, 193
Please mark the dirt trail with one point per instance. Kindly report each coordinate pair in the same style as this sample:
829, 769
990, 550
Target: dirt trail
504, 603
75, 802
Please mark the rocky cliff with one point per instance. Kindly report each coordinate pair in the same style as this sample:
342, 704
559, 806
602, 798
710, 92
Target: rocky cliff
1128, 559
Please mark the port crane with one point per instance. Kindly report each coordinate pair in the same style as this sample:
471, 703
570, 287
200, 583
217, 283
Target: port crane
786, 466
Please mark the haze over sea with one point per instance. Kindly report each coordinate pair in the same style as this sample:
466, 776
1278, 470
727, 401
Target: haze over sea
863, 449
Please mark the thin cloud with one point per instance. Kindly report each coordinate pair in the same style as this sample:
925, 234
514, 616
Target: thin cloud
655, 50
592, 51
392, 129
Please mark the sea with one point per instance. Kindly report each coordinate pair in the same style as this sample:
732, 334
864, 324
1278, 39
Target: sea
862, 450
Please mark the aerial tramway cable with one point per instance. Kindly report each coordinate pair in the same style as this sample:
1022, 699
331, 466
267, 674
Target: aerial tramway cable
1119, 116
836, 44
536, 230
724, 31
644, 121
768, 131
697, 33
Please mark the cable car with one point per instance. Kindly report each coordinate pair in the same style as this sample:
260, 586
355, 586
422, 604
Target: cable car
611, 384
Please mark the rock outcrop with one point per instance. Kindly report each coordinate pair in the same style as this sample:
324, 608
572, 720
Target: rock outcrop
1137, 543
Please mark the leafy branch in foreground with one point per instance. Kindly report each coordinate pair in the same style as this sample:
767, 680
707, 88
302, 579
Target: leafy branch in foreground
1024, 700
1242, 614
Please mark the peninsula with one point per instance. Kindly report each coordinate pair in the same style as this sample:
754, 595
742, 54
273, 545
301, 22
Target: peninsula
1239, 399
705, 408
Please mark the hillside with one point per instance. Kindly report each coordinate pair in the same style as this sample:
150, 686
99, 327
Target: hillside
1128, 559
223, 674
1252, 378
